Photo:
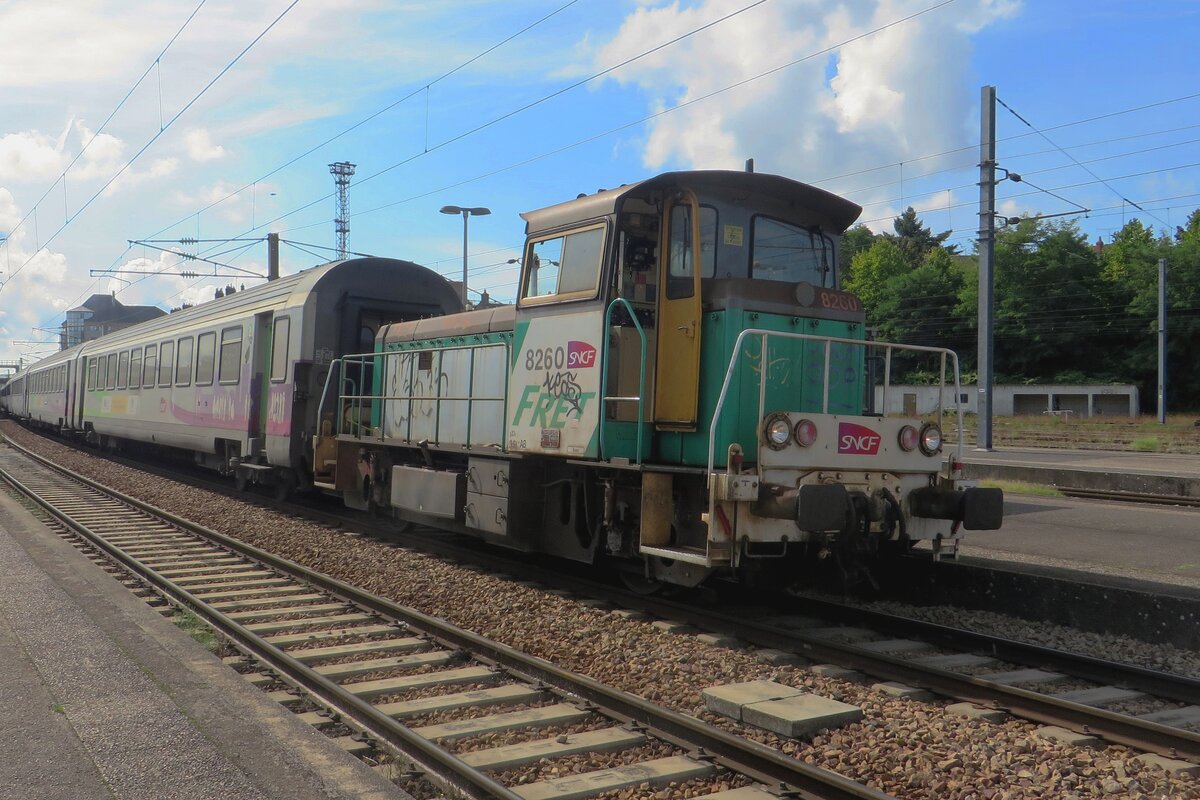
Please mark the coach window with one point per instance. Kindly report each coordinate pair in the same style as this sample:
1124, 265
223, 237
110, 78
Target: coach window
123, 370
151, 366
97, 373
231, 355
166, 363
183, 361
783, 252
135, 368
564, 267
279, 349
112, 371
206, 353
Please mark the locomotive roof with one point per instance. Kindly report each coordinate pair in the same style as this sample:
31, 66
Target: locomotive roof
830, 211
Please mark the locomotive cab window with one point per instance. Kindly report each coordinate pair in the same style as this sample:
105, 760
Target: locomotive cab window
166, 363
783, 252
564, 267
279, 349
206, 354
183, 362
231, 355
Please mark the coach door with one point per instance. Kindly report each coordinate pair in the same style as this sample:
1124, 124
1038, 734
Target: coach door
260, 375
677, 383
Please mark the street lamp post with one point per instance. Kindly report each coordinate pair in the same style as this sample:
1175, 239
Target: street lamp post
466, 214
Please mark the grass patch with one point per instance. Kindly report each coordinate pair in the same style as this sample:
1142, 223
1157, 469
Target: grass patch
58, 708
1147, 444
1022, 487
196, 628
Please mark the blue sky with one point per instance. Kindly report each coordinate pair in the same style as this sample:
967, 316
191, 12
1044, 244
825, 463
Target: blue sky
863, 114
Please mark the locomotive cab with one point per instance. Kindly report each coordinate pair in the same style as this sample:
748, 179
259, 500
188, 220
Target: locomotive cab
690, 329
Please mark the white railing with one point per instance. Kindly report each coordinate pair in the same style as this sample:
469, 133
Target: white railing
358, 401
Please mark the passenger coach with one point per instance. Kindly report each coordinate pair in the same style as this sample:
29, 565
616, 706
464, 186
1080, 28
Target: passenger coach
230, 381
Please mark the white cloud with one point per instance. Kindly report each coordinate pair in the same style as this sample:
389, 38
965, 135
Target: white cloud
890, 97
29, 155
200, 147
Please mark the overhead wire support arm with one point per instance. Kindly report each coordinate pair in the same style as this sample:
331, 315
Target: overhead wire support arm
102, 273
1077, 162
191, 257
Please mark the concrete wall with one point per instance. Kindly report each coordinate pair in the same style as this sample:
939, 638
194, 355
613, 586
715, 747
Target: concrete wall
1016, 399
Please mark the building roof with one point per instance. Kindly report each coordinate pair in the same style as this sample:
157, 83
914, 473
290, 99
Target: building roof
106, 308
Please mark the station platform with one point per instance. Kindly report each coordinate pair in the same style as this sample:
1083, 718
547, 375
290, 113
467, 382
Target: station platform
1108, 470
103, 697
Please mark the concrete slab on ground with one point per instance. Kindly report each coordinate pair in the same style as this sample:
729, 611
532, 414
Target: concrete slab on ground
800, 715
729, 699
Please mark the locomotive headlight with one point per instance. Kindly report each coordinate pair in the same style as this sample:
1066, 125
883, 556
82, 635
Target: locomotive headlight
777, 431
805, 432
908, 438
931, 439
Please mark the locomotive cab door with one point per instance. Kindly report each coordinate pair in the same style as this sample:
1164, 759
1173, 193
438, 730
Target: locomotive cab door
676, 384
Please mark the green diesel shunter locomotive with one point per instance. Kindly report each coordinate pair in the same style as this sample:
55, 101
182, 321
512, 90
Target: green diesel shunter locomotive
680, 386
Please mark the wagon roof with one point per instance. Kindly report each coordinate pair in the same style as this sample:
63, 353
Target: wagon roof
831, 210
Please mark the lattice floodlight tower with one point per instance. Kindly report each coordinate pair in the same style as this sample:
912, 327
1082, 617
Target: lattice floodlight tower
342, 172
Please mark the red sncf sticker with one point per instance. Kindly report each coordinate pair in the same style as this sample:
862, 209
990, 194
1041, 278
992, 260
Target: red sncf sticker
580, 355
857, 440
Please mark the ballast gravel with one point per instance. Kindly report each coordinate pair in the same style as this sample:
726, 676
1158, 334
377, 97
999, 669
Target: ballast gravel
905, 748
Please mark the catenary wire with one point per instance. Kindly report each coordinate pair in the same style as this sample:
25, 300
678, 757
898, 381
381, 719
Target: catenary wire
163, 129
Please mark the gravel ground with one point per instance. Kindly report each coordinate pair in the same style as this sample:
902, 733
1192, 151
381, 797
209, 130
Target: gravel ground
905, 748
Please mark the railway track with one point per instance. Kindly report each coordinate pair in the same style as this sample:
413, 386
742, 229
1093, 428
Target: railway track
1007, 675
1131, 497
390, 679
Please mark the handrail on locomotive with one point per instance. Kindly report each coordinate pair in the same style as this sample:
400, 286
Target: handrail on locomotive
379, 360
641, 395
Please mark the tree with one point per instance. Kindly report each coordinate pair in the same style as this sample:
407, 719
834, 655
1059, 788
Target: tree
917, 306
916, 240
855, 241
870, 271
1052, 314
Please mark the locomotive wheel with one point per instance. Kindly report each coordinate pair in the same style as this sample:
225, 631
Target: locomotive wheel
638, 583
241, 481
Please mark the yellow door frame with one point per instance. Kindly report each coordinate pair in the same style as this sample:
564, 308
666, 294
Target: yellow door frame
677, 382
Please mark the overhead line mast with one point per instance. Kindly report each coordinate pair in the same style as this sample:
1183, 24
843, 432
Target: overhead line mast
342, 172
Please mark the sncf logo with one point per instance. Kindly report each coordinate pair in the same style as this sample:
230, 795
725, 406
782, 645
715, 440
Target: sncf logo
857, 440
580, 355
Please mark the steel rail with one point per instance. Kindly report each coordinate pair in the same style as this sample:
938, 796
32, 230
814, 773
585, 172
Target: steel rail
736, 753
1130, 497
